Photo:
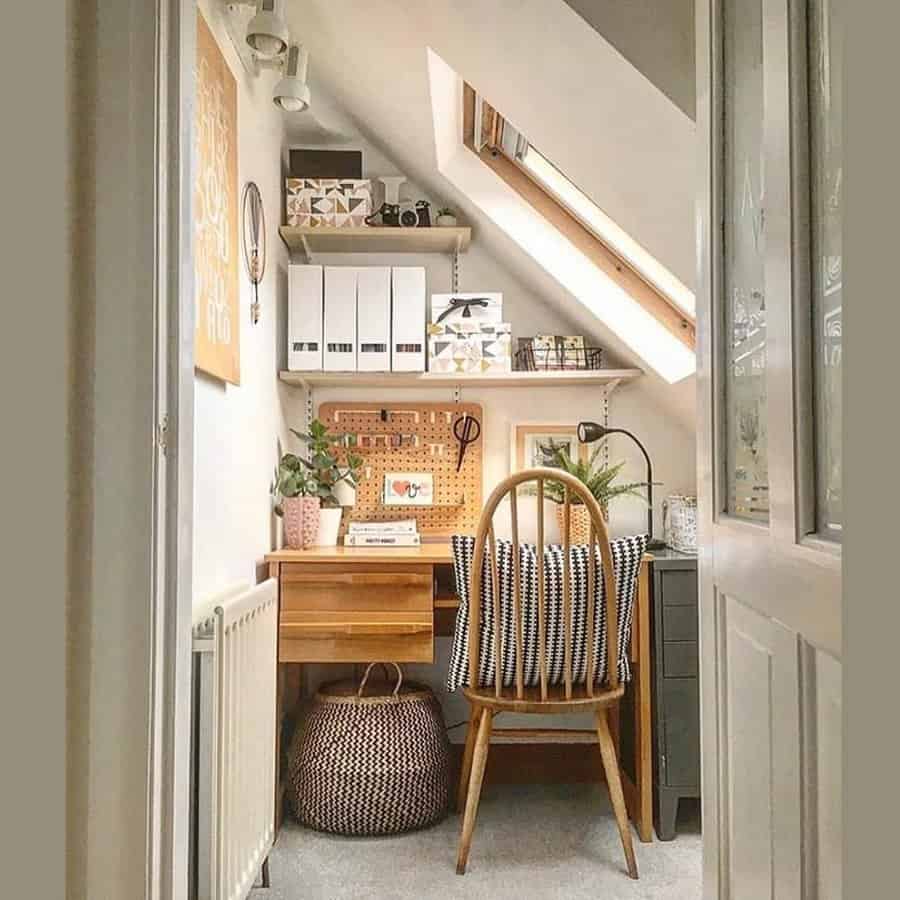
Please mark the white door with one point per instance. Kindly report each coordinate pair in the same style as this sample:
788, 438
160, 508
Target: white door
769, 121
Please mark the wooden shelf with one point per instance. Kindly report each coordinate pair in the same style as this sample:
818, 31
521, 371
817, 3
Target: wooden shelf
308, 241
608, 378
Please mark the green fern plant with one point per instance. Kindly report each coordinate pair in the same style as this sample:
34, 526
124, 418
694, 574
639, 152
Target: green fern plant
596, 477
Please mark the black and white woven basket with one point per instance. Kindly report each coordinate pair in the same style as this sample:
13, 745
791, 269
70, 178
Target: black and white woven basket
367, 765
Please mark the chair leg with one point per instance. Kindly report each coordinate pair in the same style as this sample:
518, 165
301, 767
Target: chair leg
466, 768
614, 783
479, 760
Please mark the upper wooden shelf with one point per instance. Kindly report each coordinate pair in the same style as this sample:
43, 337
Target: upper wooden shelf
374, 239
608, 378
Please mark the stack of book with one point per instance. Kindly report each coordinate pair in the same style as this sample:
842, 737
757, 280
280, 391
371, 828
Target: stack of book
402, 533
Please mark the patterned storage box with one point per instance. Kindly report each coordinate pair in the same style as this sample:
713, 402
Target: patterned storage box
334, 202
469, 347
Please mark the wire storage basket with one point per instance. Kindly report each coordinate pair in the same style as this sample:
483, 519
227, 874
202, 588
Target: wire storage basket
560, 358
371, 763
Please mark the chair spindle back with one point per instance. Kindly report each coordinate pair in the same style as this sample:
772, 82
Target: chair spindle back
485, 541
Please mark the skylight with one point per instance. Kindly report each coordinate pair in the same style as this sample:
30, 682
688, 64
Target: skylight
494, 130
601, 267
580, 205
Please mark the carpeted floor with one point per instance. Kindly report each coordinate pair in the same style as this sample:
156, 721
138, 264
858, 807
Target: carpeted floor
553, 841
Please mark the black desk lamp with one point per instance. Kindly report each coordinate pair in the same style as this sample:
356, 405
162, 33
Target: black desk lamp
588, 432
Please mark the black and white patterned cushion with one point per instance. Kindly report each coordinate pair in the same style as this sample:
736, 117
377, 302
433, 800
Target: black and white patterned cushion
626, 553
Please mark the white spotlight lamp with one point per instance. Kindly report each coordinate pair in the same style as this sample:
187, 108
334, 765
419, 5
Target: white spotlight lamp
292, 92
267, 33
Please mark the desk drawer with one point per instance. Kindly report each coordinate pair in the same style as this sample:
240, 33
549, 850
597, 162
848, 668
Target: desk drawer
356, 636
373, 587
333, 612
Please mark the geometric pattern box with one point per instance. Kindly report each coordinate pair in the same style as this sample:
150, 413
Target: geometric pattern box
334, 202
469, 348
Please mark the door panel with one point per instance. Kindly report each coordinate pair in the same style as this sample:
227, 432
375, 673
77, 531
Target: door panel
762, 738
770, 574
828, 763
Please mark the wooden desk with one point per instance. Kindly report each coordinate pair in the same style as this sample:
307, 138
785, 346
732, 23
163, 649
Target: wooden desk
358, 604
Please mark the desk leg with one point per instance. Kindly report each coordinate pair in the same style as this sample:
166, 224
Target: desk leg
639, 793
642, 814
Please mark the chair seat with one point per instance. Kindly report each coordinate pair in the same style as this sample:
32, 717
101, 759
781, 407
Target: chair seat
556, 701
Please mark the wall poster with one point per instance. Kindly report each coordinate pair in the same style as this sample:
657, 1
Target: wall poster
217, 335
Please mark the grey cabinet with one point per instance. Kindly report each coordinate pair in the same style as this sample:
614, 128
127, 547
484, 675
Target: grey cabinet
676, 688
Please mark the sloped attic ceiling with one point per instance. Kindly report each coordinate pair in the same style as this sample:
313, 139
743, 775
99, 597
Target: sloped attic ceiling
616, 135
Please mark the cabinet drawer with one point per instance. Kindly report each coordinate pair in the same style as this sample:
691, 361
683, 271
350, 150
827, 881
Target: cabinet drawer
679, 659
678, 587
352, 636
680, 706
374, 587
679, 623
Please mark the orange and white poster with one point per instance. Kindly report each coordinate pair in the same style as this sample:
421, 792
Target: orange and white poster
217, 335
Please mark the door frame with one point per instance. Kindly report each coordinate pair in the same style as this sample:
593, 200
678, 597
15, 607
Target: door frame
168, 823
794, 571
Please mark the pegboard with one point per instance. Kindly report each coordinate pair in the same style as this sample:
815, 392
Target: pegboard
411, 437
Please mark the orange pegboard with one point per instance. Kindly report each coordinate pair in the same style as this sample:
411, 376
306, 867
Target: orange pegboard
426, 444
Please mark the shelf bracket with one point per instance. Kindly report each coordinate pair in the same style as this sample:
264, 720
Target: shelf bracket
607, 390
457, 391
309, 415
454, 271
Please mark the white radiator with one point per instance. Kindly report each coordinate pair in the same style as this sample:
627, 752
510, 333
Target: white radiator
235, 645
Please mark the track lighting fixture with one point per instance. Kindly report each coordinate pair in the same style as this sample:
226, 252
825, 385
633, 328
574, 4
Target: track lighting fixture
292, 93
267, 32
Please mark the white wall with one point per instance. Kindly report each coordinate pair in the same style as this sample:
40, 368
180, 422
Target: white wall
238, 428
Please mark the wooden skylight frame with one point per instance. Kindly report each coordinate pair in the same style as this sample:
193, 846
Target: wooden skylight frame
671, 316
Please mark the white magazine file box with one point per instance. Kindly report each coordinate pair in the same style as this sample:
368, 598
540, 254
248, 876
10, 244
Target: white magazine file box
305, 318
408, 319
340, 318
373, 319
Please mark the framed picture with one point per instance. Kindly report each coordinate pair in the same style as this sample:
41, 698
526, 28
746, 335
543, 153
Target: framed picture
217, 336
533, 444
408, 489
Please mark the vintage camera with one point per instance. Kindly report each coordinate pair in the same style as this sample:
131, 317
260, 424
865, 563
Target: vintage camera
415, 215
405, 213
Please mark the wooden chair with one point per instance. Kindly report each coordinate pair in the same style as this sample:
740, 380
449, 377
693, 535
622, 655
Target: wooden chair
486, 702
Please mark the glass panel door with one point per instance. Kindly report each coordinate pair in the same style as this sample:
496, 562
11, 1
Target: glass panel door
826, 75
746, 457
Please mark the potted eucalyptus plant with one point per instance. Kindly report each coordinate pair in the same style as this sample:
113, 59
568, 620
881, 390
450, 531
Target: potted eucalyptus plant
599, 479
446, 218
335, 482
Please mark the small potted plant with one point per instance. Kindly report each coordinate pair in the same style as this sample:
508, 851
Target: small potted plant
598, 479
296, 501
446, 218
330, 476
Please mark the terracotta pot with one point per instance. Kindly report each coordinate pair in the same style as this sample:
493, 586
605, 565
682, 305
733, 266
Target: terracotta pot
301, 521
579, 523
329, 525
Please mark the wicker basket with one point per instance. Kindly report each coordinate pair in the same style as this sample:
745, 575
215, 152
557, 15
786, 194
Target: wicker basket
367, 765
579, 523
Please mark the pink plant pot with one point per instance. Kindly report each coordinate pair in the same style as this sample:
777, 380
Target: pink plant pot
301, 521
